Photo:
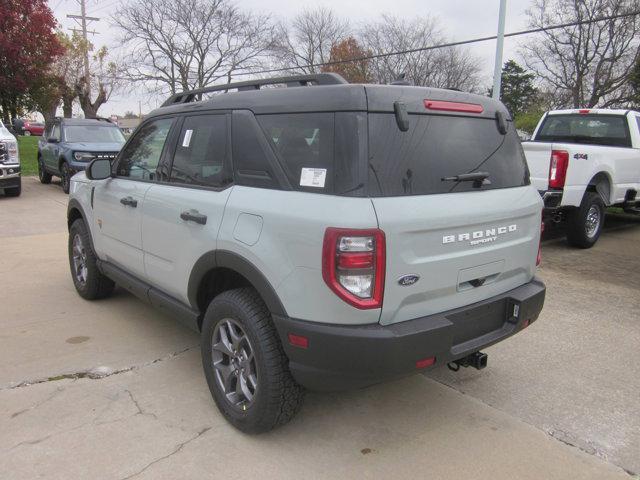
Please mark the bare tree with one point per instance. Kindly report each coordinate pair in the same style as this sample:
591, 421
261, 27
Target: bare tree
308, 39
447, 67
589, 64
104, 79
178, 45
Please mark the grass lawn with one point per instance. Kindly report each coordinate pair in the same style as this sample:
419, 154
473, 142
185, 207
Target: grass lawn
28, 148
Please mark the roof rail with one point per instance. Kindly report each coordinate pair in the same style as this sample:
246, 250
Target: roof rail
291, 81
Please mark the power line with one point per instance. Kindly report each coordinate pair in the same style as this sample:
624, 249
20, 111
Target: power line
108, 5
441, 45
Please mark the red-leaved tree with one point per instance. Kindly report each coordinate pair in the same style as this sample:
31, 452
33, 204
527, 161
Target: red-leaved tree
353, 71
28, 45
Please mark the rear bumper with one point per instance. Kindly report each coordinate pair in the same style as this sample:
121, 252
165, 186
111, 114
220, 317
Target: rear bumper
551, 198
342, 357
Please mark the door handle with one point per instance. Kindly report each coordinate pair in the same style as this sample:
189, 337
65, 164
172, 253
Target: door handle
194, 216
129, 201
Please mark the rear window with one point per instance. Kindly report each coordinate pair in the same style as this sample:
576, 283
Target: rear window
319, 152
610, 130
438, 146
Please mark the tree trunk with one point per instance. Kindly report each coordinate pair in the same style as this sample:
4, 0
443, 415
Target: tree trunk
67, 105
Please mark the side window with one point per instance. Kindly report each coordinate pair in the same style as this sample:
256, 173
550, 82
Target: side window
140, 157
55, 132
201, 152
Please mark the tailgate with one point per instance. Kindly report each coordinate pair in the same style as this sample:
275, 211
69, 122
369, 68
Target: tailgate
538, 158
465, 248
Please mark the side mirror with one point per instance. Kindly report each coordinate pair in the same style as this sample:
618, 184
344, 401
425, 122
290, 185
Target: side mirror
53, 140
99, 169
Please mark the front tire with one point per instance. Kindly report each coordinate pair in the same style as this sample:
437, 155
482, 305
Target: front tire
586, 222
15, 191
43, 175
27, 133
90, 283
65, 177
245, 365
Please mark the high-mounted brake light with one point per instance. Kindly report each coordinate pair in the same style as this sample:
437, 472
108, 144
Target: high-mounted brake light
558, 168
453, 106
584, 111
353, 265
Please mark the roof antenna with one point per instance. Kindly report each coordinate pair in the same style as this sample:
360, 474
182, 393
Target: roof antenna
401, 80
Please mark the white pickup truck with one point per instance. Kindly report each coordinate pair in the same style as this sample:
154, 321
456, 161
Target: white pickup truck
582, 161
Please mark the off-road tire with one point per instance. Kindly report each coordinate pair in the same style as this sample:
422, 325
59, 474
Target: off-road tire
43, 175
579, 225
65, 176
96, 285
15, 191
278, 397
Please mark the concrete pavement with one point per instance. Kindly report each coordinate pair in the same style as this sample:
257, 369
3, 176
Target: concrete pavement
151, 414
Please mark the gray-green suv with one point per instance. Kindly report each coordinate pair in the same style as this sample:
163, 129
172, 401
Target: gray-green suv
320, 235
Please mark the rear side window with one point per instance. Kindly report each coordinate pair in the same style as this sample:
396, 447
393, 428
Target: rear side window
319, 152
201, 152
438, 146
610, 130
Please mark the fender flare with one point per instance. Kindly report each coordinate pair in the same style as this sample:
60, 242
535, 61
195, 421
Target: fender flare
233, 261
76, 205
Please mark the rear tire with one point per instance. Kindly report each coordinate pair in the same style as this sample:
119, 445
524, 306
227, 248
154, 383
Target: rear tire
251, 360
15, 191
90, 283
65, 176
586, 222
27, 133
43, 175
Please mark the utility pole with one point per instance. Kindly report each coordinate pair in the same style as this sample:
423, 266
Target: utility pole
82, 19
497, 71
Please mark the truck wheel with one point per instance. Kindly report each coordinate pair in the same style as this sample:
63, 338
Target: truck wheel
586, 222
15, 191
43, 175
65, 176
90, 283
245, 365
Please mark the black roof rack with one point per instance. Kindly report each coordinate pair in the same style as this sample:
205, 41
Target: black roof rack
292, 81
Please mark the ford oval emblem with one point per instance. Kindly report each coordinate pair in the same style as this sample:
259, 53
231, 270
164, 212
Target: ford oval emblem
408, 280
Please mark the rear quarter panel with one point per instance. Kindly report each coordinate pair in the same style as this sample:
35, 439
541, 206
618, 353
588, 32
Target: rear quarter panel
287, 249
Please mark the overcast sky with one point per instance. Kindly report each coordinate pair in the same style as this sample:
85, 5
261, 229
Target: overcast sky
459, 19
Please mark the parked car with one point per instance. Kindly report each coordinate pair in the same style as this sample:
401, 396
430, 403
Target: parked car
582, 161
33, 128
328, 237
10, 179
69, 144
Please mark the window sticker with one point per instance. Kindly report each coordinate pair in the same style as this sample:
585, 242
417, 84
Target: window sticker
187, 138
313, 177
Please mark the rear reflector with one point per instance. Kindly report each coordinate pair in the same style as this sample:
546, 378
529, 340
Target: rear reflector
558, 168
425, 362
453, 106
298, 340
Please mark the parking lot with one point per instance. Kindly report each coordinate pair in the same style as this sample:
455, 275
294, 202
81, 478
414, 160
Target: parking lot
113, 389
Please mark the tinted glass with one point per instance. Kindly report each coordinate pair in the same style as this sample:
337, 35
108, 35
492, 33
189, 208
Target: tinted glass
140, 157
414, 162
313, 154
93, 134
591, 129
201, 152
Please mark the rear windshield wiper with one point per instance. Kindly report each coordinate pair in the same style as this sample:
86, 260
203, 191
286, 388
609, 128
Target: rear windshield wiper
478, 178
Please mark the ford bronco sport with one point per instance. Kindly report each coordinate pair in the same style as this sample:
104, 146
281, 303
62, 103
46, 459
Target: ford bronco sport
69, 144
321, 234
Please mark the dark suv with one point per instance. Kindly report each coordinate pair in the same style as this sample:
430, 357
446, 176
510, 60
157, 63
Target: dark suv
69, 144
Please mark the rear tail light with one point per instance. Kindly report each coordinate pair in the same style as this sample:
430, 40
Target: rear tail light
558, 168
353, 265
